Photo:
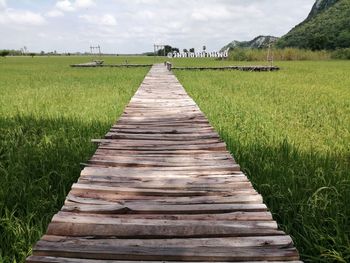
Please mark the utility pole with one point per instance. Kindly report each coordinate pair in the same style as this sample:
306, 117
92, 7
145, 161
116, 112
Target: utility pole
157, 48
95, 50
270, 54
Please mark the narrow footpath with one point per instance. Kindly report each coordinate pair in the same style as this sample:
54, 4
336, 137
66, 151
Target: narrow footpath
162, 187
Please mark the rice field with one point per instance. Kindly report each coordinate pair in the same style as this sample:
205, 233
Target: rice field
289, 130
49, 112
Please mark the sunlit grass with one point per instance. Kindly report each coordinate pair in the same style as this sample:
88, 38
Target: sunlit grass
48, 114
290, 131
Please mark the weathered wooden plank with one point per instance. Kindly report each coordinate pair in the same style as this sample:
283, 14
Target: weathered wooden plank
80, 225
122, 197
163, 209
192, 117
228, 242
136, 163
237, 226
161, 125
240, 198
172, 137
225, 189
44, 248
169, 157
160, 171
229, 169
139, 120
213, 147
239, 216
153, 181
141, 173
166, 162
153, 143
177, 160
167, 183
76, 188
48, 259
104, 189
164, 130
241, 68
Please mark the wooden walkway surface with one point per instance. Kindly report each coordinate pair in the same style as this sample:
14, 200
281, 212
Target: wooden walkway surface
162, 187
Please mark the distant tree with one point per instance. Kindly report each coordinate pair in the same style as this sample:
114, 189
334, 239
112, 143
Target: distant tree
42, 53
185, 50
4, 53
344, 39
164, 51
204, 48
318, 42
167, 49
192, 50
32, 54
341, 53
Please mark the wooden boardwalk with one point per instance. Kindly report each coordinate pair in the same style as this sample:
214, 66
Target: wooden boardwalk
97, 65
240, 68
162, 187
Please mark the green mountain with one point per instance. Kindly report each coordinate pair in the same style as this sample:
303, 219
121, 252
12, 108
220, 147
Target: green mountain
319, 6
258, 42
326, 27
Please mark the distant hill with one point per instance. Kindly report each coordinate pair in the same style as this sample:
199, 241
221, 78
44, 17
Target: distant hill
258, 42
326, 27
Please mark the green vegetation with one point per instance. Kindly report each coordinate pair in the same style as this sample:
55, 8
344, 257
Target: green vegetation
319, 6
4, 53
285, 54
48, 114
341, 54
290, 131
326, 29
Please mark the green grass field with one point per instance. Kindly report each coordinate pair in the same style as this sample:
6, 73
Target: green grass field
289, 130
48, 114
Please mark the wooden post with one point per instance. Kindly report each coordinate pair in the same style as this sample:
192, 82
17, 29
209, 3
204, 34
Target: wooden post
168, 66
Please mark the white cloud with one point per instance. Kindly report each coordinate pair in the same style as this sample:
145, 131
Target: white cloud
19, 17
65, 5
104, 20
84, 3
2, 4
54, 13
223, 12
70, 6
211, 12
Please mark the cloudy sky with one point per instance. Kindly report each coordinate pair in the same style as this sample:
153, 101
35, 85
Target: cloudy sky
133, 26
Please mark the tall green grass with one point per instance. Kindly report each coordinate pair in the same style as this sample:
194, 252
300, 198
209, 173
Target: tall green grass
290, 131
286, 54
48, 114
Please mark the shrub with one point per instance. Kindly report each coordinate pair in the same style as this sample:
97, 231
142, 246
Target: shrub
286, 54
341, 54
4, 53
